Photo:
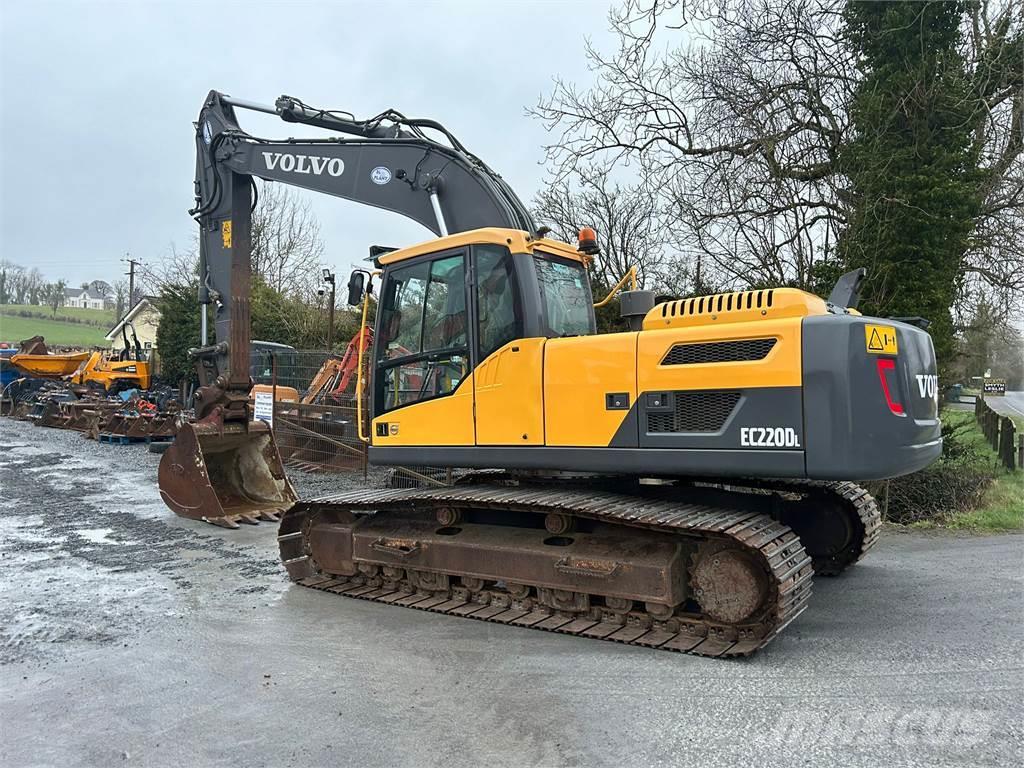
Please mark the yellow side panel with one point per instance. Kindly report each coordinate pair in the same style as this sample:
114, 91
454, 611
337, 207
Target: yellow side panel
578, 373
509, 395
781, 368
444, 420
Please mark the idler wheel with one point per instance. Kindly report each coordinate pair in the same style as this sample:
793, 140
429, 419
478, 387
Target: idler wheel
448, 516
728, 583
558, 523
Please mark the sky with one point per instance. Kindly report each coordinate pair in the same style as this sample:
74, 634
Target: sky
97, 101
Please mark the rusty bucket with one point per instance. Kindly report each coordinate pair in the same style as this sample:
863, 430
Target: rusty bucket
225, 475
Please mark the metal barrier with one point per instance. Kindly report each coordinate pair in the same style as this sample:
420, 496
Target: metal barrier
1001, 433
315, 418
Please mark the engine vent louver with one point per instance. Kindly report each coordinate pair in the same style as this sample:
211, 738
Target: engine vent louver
721, 302
694, 412
744, 350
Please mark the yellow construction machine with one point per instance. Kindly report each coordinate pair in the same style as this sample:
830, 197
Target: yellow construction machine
112, 375
674, 485
128, 370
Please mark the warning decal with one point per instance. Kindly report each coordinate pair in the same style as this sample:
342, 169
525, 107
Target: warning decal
225, 233
880, 339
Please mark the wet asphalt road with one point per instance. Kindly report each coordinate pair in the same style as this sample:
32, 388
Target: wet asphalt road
1010, 404
131, 637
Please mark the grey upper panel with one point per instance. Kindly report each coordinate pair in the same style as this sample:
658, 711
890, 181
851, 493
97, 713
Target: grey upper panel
852, 430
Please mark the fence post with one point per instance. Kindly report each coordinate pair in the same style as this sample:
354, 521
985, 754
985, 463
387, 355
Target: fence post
1020, 451
273, 391
1006, 441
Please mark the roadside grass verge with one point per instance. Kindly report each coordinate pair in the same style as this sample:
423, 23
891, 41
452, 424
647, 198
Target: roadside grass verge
966, 490
1002, 508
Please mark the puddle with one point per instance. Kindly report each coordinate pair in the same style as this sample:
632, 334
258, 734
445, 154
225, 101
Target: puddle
100, 536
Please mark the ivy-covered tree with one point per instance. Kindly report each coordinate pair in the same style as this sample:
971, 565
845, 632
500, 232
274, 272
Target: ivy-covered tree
913, 177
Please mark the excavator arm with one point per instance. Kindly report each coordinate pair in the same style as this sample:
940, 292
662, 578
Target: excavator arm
225, 468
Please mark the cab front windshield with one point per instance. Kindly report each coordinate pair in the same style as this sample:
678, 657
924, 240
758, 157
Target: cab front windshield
565, 297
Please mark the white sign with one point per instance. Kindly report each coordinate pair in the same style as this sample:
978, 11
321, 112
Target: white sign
263, 410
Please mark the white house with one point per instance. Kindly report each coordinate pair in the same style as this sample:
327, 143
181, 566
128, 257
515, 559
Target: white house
84, 298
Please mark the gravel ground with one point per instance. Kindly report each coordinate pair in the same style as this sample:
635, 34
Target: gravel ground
129, 636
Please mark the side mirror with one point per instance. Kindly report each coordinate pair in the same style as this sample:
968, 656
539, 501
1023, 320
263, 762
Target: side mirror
356, 287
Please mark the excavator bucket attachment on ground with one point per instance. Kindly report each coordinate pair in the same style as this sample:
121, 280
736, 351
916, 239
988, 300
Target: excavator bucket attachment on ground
225, 475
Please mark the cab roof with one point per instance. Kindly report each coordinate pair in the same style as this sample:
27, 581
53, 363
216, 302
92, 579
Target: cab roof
515, 240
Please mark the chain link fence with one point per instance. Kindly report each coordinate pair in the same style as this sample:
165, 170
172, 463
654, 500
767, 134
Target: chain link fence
315, 415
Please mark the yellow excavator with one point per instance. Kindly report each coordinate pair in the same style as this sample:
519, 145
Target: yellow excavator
675, 485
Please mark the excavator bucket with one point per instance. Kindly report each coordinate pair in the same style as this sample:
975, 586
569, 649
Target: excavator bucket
225, 475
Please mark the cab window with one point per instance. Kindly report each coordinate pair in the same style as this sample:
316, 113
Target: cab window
565, 297
499, 316
423, 348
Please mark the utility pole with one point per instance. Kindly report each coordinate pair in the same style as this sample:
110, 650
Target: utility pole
329, 278
132, 264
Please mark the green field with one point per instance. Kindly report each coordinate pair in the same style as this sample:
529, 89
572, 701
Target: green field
99, 317
13, 329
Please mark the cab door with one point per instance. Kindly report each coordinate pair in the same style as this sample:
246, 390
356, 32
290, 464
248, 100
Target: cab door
422, 395
507, 381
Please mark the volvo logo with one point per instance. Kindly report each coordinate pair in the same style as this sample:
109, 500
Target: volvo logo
334, 166
928, 385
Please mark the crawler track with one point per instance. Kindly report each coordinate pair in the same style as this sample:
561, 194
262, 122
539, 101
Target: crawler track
774, 547
850, 500
814, 509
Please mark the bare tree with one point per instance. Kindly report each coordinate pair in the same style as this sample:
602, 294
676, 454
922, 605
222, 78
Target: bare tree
34, 283
994, 49
625, 217
7, 270
120, 298
19, 283
738, 129
286, 247
176, 268
735, 110
54, 295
